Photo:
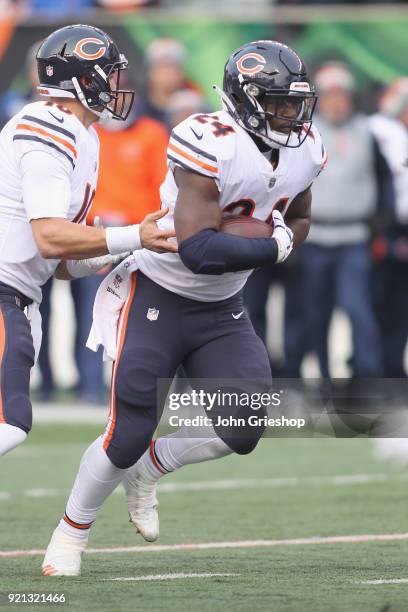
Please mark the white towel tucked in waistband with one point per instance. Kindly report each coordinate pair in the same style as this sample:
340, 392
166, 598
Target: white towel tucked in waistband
34, 317
109, 300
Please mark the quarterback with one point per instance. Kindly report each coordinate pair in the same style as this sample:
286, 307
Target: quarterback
48, 173
258, 156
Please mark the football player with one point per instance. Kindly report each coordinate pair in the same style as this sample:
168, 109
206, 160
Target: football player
256, 157
48, 173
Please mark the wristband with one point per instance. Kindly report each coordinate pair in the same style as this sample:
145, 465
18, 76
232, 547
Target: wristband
121, 239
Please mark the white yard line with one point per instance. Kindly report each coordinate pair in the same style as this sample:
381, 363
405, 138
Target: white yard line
386, 581
166, 577
230, 484
345, 539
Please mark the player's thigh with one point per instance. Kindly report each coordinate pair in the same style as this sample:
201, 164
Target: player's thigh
237, 365
239, 353
151, 345
17, 359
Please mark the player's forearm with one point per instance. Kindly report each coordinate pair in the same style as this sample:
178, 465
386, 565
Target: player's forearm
212, 252
61, 239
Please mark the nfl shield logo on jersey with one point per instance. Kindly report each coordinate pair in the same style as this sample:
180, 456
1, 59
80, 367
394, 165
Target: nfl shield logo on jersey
153, 314
49, 70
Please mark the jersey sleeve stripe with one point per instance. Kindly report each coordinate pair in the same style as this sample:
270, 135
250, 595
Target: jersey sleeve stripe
50, 126
180, 163
31, 128
46, 142
195, 161
193, 148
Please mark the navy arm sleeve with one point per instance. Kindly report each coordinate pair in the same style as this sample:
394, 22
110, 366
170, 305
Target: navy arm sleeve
212, 252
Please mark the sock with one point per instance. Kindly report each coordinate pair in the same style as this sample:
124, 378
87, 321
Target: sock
10, 437
96, 480
171, 452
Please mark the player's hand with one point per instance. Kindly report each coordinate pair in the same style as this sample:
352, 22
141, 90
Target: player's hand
283, 236
155, 239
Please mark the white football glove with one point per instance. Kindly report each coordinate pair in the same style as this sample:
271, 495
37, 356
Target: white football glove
78, 268
283, 236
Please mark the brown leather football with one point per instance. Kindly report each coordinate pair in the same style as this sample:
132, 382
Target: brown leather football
247, 227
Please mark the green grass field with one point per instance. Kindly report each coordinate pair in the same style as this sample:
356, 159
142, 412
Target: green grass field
306, 502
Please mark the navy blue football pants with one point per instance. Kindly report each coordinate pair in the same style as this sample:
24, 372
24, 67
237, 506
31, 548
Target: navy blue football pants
203, 337
16, 359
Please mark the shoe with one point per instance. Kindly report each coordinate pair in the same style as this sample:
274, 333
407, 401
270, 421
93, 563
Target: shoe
63, 555
142, 501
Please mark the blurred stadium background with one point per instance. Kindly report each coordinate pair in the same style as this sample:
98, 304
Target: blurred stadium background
176, 51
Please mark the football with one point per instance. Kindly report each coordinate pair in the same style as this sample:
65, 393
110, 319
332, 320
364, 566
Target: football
247, 227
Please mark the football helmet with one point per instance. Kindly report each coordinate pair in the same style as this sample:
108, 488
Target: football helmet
83, 62
267, 90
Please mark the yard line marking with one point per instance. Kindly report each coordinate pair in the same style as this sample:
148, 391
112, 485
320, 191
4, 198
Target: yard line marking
348, 479
166, 577
41, 492
345, 539
230, 484
386, 581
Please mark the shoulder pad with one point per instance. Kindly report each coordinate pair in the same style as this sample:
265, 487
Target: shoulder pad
49, 127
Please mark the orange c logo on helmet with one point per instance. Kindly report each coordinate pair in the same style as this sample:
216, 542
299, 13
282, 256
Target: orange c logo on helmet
79, 48
247, 67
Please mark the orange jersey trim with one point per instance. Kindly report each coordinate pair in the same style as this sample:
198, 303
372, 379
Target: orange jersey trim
193, 159
122, 326
2, 347
31, 128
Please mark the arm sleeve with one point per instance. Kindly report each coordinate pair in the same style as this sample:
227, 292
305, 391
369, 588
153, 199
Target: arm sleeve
46, 185
212, 252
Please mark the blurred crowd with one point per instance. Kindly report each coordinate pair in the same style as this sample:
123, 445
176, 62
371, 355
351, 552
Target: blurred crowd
355, 258
61, 7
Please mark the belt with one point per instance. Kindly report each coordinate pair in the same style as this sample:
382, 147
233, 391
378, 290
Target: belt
11, 295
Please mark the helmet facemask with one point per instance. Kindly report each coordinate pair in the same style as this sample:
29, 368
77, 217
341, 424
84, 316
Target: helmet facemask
101, 94
265, 115
280, 119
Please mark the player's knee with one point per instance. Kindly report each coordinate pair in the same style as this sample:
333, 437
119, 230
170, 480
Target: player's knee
131, 437
19, 411
123, 456
241, 445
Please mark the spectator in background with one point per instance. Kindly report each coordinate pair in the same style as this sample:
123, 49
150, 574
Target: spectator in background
182, 104
14, 99
256, 293
131, 170
390, 126
165, 58
336, 257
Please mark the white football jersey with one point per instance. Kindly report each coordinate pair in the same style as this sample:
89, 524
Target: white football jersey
66, 145
216, 146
